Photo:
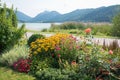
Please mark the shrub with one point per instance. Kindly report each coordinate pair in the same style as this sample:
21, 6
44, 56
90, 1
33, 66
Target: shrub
22, 65
44, 30
116, 26
18, 52
62, 57
9, 33
34, 37
68, 49
42, 50
56, 74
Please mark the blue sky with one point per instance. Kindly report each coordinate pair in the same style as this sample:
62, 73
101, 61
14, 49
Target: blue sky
33, 7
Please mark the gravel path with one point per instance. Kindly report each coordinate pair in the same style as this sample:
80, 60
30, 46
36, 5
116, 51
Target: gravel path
97, 40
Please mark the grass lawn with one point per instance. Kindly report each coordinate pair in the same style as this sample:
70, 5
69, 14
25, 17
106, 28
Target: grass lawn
8, 74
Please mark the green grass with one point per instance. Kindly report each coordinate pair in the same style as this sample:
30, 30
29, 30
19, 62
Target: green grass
7, 73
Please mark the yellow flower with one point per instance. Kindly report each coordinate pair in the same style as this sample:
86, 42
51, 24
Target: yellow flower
35, 53
39, 50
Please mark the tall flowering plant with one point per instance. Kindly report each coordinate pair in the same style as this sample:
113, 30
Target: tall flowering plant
42, 51
67, 50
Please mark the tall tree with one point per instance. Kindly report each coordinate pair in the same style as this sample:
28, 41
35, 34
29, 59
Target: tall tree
9, 32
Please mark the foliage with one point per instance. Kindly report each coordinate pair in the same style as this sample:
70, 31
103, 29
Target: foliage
18, 52
22, 65
86, 59
44, 30
116, 26
100, 29
34, 37
8, 73
9, 33
56, 74
45, 45
42, 49
68, 25
68, 49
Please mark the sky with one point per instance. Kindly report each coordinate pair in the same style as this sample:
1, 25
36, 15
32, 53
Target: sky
34, 7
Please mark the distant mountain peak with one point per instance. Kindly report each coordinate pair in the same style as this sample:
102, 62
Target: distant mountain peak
101, 14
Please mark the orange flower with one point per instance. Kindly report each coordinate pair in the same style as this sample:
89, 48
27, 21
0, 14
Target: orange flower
73, 63
110, 52
88, 30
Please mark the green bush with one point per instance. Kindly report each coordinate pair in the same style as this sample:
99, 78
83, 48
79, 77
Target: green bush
56, 74
34, 37
116, 26
44, 30
18, 52
9, 33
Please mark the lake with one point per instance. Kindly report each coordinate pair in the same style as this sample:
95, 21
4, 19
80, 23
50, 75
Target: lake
37, 26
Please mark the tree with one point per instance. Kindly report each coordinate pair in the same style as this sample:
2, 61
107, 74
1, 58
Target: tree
116, 26
9, 32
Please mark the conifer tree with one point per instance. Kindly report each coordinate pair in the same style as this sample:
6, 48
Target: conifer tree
9, 32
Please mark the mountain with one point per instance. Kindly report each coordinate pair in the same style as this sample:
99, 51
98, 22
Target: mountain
45, 16
74, 15
101, 14
22, 17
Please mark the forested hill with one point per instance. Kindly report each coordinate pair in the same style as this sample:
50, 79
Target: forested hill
22, 17
101, 14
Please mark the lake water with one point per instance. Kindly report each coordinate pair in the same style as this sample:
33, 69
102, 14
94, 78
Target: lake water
37, 26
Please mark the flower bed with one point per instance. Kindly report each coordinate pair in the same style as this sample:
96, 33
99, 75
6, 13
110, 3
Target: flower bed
63, 57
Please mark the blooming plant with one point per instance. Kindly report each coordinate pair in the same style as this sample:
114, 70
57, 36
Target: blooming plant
68, 49
88, 30
43, 49
47, 44
22, 65
64, 51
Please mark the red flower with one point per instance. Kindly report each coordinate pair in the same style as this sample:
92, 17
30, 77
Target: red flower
52, 55
58, 55
22, 65
77, 47
110, 52
88, 30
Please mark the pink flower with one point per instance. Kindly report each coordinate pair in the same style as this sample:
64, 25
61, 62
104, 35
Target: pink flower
88, 30
58, 55
77, 47
110, 52
58, 48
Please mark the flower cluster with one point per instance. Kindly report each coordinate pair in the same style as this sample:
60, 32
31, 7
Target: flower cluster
68, 49
22, 65
88, 30
47, 44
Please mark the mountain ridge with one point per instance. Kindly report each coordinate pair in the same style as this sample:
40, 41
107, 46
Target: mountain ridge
100, 14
